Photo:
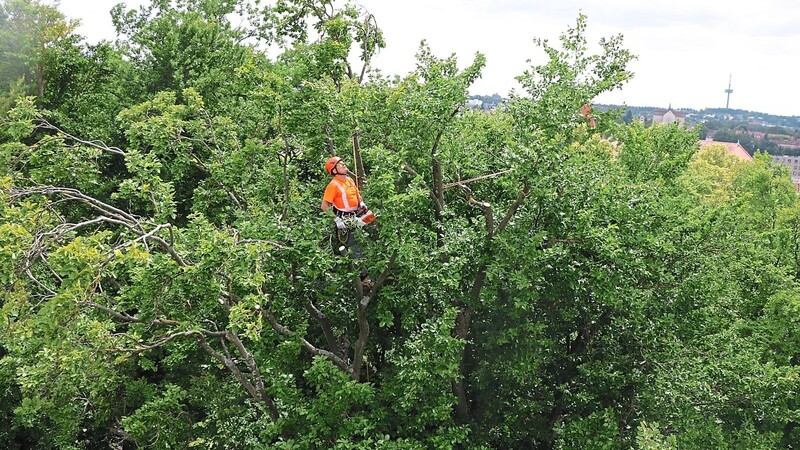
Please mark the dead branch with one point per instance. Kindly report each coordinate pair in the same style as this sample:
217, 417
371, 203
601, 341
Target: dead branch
338, 361
255, 373
45, 125
256, 391
166, 339
111, 215
486, 208
116, 314
128, 318
74, 194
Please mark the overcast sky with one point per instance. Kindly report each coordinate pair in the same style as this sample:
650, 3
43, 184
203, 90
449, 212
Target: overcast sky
686, 49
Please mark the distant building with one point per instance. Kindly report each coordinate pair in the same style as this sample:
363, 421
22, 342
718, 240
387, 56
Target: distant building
474, 103
794, 164
781, 140
784, 141
792, 161
668, 115
734, 148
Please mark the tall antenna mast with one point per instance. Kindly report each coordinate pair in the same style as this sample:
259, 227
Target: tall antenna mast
728, 91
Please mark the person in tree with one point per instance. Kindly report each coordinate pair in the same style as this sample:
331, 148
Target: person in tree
349, 209
586, 112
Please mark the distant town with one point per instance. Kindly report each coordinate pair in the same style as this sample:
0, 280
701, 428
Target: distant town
742, 132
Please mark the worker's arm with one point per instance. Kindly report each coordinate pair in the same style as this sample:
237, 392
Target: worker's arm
325, 205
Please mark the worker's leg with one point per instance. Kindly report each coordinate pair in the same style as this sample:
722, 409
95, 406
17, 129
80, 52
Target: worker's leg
356, 252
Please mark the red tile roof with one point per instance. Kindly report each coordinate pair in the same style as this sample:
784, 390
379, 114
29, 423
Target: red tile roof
733, 147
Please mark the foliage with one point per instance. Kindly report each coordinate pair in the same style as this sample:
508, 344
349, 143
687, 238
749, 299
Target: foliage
30, 33
168, 279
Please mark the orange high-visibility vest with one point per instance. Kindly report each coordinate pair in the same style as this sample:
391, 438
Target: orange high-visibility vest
342, 194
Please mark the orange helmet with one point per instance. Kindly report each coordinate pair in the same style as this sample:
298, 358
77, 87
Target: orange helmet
330, 165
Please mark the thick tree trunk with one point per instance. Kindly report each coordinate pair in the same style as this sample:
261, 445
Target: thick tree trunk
363, 335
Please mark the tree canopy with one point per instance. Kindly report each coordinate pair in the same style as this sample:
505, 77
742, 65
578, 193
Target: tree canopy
169, 281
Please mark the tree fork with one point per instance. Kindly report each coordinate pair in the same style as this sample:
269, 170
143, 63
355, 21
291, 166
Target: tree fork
363, 323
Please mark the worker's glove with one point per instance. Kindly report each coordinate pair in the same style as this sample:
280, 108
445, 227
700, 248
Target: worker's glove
340, 223
362, 209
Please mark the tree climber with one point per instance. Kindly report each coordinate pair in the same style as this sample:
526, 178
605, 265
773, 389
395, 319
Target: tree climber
349, 209
586, 112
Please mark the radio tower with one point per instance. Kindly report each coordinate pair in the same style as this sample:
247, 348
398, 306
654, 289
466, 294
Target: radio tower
728, 91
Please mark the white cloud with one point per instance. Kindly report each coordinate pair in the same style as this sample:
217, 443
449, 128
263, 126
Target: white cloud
686, 48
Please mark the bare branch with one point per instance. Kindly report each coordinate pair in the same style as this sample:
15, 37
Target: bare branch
168, 248
36, 281
118, 216
75, 194
383, 276
128, 318
50, 268
255, 374
230, 364
407, 167
280, 329
43, 124
329, 140
363, 335
470, 180
121, 316
166, 339
141, 237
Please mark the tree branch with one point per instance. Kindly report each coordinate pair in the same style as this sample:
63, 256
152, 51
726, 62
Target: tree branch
327, 330
166, 339
280, 329
121, 316
513, 208
117, 216
45, 125
383, 276
74, 194
363, 323
128, 318
230, 364
255, 374
485, 207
